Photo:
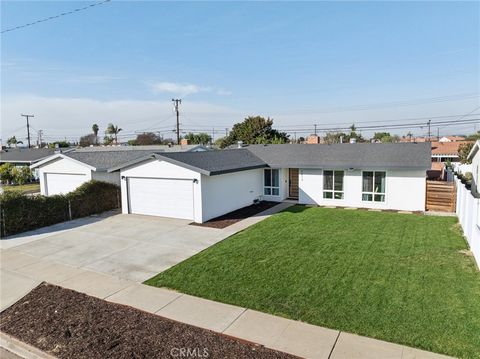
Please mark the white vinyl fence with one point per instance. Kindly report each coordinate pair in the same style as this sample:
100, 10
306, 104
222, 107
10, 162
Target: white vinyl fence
468, 213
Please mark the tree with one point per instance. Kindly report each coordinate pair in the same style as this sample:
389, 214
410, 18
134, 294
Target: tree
473, 137
147, 138
198, 138
113, 130
61, 144
463, 151
254, 130
12, 141
88, 140
335, 137
385, 137
21, 175
379, 135
6, 174
107, 140
95, 132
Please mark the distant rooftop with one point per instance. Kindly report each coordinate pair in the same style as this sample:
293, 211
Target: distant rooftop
25, 155
152, 148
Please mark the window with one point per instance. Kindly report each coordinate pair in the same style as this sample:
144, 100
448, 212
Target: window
333, 184
373, 186
271, 185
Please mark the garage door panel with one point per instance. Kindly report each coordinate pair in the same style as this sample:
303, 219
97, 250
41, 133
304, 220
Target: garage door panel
62, 183
161, 197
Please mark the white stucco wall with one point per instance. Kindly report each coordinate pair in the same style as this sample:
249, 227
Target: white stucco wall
62, 165
225, 193
113, 177
405, 190
161, 169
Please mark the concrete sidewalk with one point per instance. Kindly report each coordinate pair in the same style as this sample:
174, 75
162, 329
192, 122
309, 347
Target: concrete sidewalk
297, 338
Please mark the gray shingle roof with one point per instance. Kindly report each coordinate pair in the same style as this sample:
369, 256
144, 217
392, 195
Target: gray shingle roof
103, 160
25, 155
341, 156
215, 162
152, 148
346, 155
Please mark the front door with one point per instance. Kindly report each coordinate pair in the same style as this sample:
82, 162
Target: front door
293, 183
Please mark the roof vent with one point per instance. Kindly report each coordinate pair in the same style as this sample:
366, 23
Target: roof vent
240, 144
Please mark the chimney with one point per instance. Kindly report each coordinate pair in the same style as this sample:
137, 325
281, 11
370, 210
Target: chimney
353, 140
240, 144
313, 140
183, 142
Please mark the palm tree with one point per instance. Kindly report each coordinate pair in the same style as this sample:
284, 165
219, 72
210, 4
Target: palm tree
113, 130
95, 132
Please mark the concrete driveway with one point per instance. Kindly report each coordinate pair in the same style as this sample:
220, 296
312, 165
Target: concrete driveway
131, 247
101, 255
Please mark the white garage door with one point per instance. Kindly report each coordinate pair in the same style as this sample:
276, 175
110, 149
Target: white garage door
61, 183
161, 197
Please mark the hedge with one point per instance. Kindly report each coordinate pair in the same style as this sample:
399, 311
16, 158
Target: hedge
21, 212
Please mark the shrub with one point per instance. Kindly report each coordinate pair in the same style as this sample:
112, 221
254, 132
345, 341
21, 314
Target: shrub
21, 212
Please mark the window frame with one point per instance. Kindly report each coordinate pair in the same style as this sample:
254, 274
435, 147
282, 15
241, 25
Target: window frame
333, 191
271, 188
373, 193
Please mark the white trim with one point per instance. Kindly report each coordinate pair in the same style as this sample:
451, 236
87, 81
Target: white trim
62, 156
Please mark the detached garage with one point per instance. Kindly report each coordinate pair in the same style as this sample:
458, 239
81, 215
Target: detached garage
194, 186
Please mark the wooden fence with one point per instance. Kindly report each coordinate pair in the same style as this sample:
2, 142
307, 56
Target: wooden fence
440, 196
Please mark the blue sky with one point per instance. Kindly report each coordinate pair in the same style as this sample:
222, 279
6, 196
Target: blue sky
300, 63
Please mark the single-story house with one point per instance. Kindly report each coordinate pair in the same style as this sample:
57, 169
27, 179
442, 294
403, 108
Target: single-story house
205, 185
21, 157
61, 173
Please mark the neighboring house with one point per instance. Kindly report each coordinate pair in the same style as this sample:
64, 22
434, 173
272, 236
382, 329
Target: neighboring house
202, 186
20, 157
451, 139
63, 172
474, 156
24, 156
446, 151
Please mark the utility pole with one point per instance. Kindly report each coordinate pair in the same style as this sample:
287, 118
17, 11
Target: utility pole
438, 133
40, 133
226, 132
177, 102
315, 126
429, 122
28, 127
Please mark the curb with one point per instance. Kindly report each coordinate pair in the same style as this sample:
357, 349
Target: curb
21, 349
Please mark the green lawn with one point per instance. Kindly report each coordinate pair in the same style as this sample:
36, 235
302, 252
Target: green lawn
396, 277
25, 188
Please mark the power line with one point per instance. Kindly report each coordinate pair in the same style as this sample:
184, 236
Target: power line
54, 16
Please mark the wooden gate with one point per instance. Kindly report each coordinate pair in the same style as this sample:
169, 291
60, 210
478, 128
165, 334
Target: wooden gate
441, 196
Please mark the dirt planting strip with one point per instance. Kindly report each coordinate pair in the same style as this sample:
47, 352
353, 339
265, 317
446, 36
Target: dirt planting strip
69, 324
238, 215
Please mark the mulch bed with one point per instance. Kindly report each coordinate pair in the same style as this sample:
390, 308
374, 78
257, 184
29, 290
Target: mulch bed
68, 324
236, 216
